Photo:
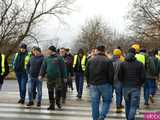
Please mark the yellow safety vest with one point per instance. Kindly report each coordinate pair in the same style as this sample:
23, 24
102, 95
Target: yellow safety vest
3, 64
83, 62
27, 58
122, 59
140, 58
158, 56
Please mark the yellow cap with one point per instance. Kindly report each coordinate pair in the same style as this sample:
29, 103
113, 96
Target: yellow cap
117, 52
136, 47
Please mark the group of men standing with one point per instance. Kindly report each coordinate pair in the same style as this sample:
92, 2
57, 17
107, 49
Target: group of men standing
123, 73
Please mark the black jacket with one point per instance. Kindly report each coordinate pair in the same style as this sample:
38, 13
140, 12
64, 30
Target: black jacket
132, 72
6, 70
100, 70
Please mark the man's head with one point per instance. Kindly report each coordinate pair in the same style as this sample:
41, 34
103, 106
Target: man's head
37, 51
62, 51
80, 52
100, 49
67, 50
117, 52
23, 48
52, 50
132, 50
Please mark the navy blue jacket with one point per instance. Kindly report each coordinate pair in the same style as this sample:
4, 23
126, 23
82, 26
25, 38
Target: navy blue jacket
132, 72
34, 66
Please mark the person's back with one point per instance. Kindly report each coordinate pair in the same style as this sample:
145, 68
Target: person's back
132, 73
132, 76
99, 72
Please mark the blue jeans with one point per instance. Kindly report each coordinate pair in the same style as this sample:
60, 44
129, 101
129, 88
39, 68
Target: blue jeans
22, 78
131, 97
146, 89
119, 94
35, 82
79, 79
153, 86
96, 92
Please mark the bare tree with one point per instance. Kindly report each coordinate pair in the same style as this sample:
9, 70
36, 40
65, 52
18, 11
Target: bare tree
17, 21
145, 16
94, 32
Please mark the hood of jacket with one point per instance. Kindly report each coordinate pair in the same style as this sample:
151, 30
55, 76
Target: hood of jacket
130, 57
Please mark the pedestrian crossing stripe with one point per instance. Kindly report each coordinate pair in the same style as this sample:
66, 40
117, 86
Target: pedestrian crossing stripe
72, 113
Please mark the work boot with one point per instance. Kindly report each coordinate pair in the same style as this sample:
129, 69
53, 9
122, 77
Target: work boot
30, 103
38, 104
51, 107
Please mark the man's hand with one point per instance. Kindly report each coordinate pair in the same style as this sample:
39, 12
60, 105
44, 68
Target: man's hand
40, 77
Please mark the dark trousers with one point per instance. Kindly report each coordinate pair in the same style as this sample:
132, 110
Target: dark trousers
70, 81
54, 96
79, 82
64, 91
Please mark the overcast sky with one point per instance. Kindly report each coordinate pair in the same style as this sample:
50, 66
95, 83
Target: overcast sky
113, 12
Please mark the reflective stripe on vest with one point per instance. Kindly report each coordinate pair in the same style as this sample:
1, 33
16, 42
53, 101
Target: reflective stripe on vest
158, 56
3, 64
83, 62
140, 58
27, 58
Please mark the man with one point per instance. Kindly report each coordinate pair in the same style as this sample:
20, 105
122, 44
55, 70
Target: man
117, 53
151, 75
69, 62
4, 68
142, 57
62, 53
100, 75
54, 67
20, 62
132, 77
33, 69
79, 66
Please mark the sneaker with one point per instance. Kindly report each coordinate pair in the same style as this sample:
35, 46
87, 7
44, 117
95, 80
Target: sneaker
122, 106
119, 110
79, 96
38, 104
30, 103
51, 107
21, 101
146, 103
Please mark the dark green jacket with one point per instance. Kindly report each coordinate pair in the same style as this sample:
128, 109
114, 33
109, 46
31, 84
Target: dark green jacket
54, 67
